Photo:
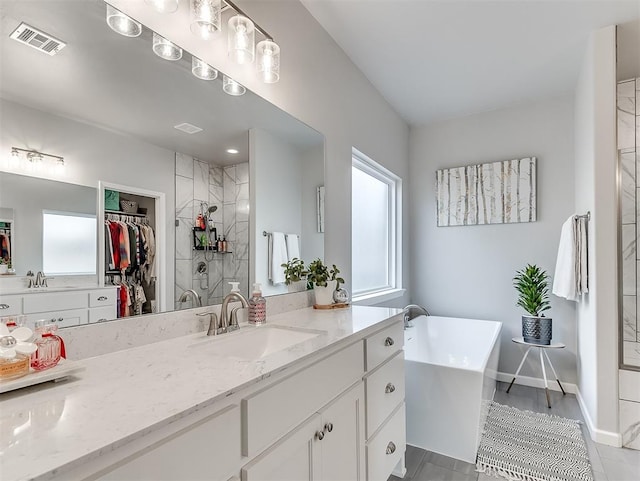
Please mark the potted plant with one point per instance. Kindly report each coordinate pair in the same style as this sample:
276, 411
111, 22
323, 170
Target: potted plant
295, 275
324, 281
532, 284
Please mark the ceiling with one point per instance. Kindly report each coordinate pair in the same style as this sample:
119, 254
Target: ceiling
435, 60
117, 83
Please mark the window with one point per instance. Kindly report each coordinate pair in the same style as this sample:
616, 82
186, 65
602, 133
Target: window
69, 241
376, 227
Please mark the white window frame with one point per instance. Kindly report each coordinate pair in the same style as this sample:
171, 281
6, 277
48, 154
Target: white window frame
394, 288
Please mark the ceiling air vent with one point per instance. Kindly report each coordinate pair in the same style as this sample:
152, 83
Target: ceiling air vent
37, 39
188, 128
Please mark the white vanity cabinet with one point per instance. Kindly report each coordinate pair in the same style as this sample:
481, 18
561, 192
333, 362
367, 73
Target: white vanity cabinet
70, 307
384, 381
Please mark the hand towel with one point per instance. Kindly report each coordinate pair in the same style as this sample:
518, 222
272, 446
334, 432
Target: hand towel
277, 257
293, 247
564, 280
571, 278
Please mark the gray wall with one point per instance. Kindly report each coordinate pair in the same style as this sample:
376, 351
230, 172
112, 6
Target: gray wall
468, 271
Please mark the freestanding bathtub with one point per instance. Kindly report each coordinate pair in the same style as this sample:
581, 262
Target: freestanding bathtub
450, 369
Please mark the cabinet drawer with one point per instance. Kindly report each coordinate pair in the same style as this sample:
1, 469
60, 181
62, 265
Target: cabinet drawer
100, 314
60, 301
385, 391
60, 318
103, 297
387, 447
268, 414
10, 305
208, 449
382, 345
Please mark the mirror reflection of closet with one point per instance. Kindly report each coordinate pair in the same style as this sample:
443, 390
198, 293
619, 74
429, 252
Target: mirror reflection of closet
6, 237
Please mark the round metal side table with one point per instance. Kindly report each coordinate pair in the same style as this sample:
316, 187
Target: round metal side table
542, 350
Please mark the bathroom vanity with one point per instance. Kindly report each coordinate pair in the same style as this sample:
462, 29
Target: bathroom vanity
310, 395
63, 306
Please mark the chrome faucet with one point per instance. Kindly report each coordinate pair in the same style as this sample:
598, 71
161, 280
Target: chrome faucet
41, 279
407, 314
191, 293
214, 329
224, 316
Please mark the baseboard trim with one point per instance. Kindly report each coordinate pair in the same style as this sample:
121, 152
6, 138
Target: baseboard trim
537, 382
597, 435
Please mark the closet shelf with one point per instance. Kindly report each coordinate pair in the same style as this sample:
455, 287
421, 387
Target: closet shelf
119, 212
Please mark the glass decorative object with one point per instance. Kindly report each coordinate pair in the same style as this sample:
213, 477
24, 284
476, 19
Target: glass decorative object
232, 87
205, 17
121, 23
241, 37
202, 69
165, 49
341, 296
49, 347
163, 6
268, 62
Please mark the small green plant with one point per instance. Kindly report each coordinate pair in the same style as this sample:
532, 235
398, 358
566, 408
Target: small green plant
294, 271
532, 284
320, 275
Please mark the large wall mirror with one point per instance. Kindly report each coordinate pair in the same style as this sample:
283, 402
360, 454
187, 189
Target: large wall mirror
133, 125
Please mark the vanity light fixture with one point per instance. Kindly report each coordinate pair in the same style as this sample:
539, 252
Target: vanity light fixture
165, 49
232, 151
268, 64
205, 17
232, 87
163, 6
241, 37
34, 157
122, 24
202, 69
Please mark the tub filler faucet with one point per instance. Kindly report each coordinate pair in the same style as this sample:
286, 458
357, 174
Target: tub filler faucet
409, 314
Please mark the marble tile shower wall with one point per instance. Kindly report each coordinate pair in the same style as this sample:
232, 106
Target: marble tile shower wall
628, 129
199, 183
629, 163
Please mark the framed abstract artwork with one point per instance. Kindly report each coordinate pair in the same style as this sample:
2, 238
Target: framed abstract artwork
501, 192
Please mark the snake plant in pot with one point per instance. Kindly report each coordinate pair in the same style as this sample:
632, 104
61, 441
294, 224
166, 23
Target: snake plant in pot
532, 284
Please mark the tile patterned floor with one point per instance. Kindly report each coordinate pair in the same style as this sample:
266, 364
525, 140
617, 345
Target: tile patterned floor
609, 464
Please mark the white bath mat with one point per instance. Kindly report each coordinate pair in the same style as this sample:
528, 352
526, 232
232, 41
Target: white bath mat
527, 446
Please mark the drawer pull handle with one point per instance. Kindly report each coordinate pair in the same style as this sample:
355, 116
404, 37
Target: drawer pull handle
328, 427
319, 435
391, 448
389, 388
60, 319
389, 342
102, 320
53, 319
4, 306
102, 298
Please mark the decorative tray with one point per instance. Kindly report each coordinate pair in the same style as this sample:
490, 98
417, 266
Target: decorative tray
337, 305
63, 369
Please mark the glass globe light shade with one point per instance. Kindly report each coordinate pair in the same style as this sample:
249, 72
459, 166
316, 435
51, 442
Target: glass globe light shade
205, 17
163, 6
122, 24
241, 37
232, 87
202, 69
165, 49
268, 63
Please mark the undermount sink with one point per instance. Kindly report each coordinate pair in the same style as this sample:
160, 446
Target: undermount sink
255, 342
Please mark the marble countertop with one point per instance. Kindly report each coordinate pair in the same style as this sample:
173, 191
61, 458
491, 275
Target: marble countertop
47, 290
122, 395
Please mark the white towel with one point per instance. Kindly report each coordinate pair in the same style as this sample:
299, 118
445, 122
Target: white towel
571, 277
293, 247
277, 257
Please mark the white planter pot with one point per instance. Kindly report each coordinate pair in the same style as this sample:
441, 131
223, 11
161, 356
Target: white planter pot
4, 268
324, 295
298, 286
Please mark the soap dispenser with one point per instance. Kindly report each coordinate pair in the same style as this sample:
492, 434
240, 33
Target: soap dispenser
235, 287
257, 306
